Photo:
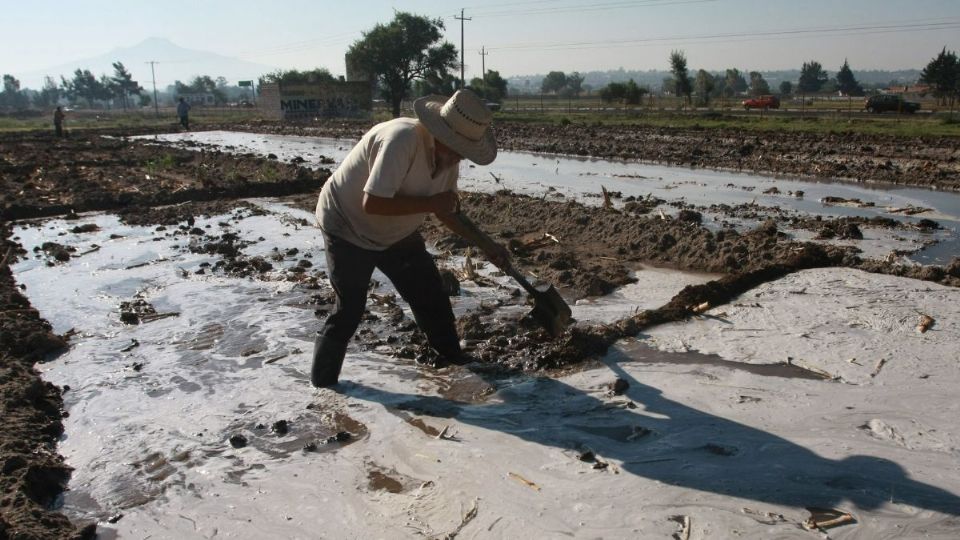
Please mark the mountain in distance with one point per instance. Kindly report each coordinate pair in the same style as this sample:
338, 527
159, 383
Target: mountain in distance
173, 63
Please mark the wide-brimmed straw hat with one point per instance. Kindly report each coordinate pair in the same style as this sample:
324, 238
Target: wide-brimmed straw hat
461, 122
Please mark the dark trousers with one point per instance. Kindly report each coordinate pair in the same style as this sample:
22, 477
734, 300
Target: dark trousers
58, 128
411, 270
185, 122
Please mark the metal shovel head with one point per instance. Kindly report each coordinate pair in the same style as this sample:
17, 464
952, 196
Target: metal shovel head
550, 310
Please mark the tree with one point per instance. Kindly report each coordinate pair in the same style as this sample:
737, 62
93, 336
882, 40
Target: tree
48, 95
85, 85
12, 96
574, 84
846, 83
408, 48
758, 85
109, 90
812, 78
943, 75
202, 84
786, 88
633, 93
293, 76
613, 92
704, 86
629, 92
681, 79
491, 87
124, 84
444, 84
668, 86
734, 82
555, 81
67, 90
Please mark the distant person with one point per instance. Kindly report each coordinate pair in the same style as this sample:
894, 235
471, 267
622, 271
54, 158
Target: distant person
58, 117
183, 111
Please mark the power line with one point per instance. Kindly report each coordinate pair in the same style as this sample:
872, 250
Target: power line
461, 18
483, 63
297, 46
153, 74
774, 34
599, 6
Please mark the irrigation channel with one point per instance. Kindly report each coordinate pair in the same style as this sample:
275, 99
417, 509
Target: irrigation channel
200, 422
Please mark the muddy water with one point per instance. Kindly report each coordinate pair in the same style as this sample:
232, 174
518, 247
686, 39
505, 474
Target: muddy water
205, 390
582, 178
155, 410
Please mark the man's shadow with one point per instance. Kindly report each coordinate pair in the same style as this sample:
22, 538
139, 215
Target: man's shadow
670, 442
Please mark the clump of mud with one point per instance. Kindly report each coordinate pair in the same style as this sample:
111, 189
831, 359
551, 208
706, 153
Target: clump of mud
32, 475
589, 251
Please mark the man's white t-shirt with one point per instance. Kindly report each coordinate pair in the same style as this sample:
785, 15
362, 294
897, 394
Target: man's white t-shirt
393, 158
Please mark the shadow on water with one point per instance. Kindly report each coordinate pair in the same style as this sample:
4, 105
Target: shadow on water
673, 443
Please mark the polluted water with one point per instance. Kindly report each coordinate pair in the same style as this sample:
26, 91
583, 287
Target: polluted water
203, 423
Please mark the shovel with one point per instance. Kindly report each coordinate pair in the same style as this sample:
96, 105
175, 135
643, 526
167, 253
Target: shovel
549, 308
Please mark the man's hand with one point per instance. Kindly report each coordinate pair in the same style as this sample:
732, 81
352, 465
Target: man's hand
445, 203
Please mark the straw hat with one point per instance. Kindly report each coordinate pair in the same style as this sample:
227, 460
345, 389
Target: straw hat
461, 122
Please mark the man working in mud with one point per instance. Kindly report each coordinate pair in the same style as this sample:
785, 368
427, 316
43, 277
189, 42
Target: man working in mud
371, 207
183, 112
58, 117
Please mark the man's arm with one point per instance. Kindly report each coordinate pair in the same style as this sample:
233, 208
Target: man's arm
402, 205
443, 205
496, 253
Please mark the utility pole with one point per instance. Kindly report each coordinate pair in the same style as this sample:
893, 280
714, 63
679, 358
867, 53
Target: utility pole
483, 62
461, 18
153, 74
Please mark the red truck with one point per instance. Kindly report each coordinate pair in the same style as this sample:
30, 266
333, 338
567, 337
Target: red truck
762, 102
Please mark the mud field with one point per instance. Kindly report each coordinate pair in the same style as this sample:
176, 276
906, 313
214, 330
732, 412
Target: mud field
587, 251
928, 161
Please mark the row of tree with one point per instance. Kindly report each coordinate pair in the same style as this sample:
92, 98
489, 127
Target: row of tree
117, 90
942, 75
705, 86
83, 87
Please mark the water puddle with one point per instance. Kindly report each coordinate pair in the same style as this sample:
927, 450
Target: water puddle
216, 399
567, 177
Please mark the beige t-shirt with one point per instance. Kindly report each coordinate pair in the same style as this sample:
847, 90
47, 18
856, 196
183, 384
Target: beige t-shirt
393, 158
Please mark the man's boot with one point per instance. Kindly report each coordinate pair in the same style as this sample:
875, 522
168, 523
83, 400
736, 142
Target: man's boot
328, 356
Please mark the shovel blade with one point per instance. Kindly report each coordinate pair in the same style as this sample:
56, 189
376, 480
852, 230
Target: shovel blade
551, 311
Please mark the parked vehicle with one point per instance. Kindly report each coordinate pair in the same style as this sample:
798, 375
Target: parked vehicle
762, 102
890, 102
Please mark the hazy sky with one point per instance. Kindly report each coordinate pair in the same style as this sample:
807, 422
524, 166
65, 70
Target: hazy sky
522, 37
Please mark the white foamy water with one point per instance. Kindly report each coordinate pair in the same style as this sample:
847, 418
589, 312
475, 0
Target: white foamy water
738, 453
568, 177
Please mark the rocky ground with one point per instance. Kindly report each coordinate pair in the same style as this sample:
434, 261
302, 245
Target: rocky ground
585, 251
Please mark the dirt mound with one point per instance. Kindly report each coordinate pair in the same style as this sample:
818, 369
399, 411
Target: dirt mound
33, 475
589, 251
43, 176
